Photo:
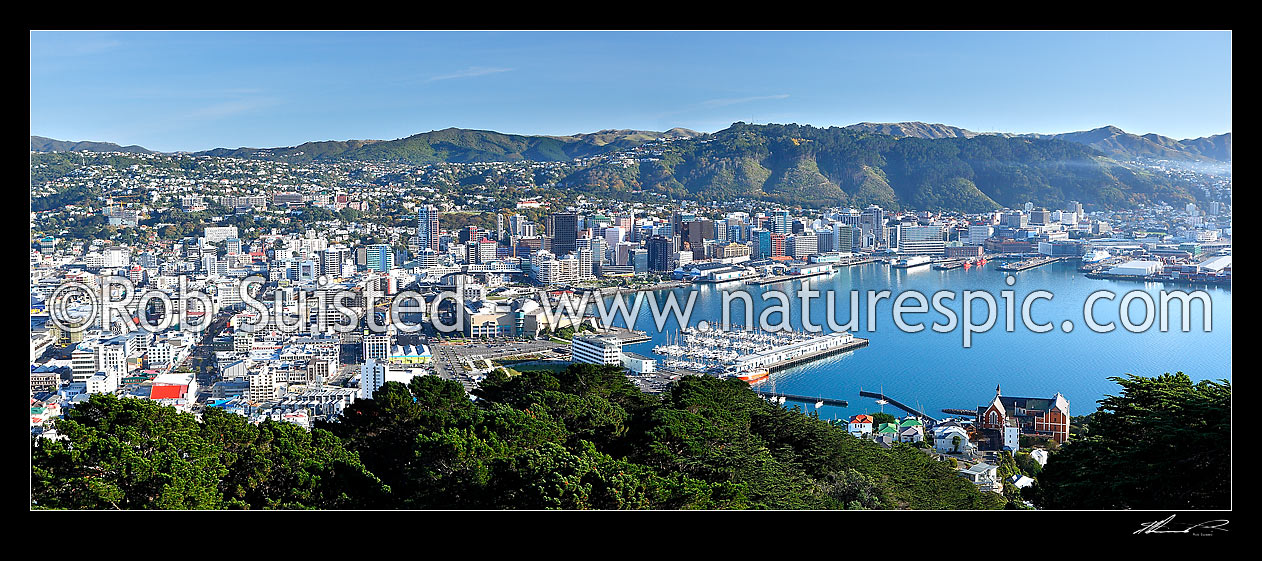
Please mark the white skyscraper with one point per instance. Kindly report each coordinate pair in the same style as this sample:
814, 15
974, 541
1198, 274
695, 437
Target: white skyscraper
372, 375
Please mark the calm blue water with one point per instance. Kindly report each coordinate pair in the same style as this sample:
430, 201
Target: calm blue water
934, 370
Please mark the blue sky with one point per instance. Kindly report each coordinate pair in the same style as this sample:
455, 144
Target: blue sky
199, 90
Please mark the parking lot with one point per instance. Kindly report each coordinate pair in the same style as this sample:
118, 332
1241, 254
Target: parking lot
450, 359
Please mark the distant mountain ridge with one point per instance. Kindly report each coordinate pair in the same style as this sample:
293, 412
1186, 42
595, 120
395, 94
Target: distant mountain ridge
43, 144
914, 129
1108, 139
467, 145
820, 167
461, 146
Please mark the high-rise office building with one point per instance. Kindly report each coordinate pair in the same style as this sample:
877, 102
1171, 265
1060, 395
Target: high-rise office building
920, 240
379, 257
659, 254
780, 222
874, 219
427, 227
563, 229
696, 232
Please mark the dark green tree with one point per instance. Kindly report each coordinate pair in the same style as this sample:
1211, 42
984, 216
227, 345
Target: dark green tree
1163, 443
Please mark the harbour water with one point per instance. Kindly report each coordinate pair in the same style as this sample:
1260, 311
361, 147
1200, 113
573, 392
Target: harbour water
933, 370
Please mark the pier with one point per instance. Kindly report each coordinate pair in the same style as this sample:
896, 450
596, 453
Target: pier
805, 399
772, 279
858, 261
1102, 265
899, 405
961, 412
854, 343
949, 264
1029, 263
627, 336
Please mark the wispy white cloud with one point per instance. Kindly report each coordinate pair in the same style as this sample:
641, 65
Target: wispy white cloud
735, 100
469, 72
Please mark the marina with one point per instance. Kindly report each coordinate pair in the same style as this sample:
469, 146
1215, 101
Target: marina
749, 355
818, 401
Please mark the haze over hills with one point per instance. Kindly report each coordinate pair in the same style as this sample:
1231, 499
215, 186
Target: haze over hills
1108, 139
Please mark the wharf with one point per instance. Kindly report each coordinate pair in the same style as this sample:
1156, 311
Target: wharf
1029, 263
949, 264
805, 399
961, 412
1102, 265
772, 279
897, 404
627, 336
1164, 279
858, 261
854, 343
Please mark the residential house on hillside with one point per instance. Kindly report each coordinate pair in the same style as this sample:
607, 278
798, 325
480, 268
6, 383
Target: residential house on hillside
945, 439
911, 430
860, 425
985, 476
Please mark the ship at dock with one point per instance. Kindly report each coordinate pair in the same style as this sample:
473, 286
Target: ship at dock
912, 261
1095, 256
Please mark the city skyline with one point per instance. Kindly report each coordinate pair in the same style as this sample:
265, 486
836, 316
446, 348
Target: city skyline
176, 91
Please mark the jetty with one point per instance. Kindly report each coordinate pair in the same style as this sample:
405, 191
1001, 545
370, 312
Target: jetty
772, 279
858, 260
789, 359
805, 399
1027, 264
898, 404
961, 412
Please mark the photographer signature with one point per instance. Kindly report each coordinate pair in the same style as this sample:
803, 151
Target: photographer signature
1156, 527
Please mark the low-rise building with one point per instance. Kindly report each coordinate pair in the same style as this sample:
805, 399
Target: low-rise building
596, 349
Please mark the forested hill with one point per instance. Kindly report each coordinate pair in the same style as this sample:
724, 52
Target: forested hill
460, 146
798, 164
582, 438
42, 144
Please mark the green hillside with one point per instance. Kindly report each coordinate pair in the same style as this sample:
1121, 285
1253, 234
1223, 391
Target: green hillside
459, 146
796, 164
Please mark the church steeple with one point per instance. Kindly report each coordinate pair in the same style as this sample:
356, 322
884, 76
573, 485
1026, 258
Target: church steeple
996, 389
